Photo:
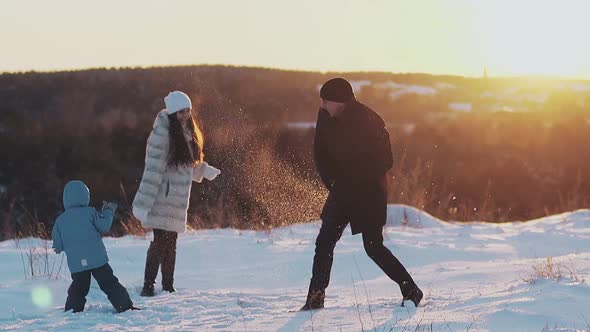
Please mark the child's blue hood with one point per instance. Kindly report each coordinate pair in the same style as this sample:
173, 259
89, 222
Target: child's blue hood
76, 193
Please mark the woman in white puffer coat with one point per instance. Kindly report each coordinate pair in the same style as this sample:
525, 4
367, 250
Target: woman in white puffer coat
174, 158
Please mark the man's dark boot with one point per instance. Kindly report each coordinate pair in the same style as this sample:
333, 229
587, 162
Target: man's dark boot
410, 291
148, 290
315, 300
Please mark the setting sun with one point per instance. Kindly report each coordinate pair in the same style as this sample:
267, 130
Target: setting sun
534, 37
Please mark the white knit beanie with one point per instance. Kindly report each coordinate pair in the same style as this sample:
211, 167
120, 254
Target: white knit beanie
176, 101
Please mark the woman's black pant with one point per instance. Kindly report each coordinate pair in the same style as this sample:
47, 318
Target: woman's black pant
161, 253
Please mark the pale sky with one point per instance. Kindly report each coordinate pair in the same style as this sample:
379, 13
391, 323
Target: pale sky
459, 37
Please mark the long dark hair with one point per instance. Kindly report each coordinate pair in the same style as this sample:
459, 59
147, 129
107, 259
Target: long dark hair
179, 152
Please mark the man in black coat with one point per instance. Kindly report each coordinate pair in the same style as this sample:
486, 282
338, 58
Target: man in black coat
352, 153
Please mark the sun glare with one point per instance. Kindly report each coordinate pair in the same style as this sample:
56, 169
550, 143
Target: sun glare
534, 37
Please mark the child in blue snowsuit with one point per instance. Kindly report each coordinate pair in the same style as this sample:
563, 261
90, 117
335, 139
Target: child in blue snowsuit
77, 232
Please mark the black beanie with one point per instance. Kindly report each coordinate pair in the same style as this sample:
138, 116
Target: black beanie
338, 90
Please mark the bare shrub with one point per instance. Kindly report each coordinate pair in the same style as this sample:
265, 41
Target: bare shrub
549, 269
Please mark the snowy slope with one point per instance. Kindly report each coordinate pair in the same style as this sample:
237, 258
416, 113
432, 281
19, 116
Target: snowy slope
476, 277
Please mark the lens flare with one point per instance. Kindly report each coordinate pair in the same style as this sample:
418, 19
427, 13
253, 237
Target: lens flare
41, 297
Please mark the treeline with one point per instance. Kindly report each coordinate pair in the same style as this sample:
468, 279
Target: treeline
477, 165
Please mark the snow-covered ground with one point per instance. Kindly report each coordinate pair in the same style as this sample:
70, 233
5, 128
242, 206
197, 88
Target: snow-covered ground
475, 276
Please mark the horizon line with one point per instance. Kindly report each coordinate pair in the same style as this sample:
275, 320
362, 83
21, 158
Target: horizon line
323, 72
